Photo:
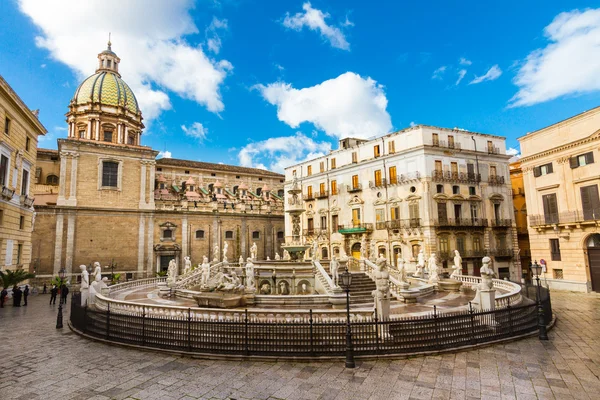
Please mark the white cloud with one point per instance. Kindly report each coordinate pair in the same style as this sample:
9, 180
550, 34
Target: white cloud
164, 154
277, 153
464, 61
43, 66
314, 19
492, 74
461, 75
511, 151
412, 124
213, 40
348, 105
437, 74
148, 35
569, 63
197, 131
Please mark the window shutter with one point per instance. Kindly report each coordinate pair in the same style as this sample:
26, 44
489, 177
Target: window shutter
536, 171
589, 158
573, 162
550, 168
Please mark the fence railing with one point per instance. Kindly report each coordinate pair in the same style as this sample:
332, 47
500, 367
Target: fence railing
310, 336
567, 217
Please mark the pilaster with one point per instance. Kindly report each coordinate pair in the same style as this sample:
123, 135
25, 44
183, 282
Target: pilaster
184, 237
63, 176
70, 243
72, 200
58, 243
150, 244
143, 185
141, 233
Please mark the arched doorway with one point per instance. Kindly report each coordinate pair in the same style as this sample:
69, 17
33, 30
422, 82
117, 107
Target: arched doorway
397, 252
593, 249
324, 253
356, 250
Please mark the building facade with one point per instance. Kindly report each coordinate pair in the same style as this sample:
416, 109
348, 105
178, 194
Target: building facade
102, 196
423, 187
520, 211
18, 148
560, 173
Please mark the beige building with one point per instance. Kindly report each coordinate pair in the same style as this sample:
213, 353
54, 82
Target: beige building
422, 188
104, 197
561, 177
18, 148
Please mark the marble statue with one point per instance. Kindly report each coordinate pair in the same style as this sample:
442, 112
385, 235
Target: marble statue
434, 277
334, 267
265, 288
249, 274
216, 253
343, 255
229, 282
381, 295
420, 264
363, 248
253, 251
457, 267
286, 255
268, 258
381, 262
187, 265
225, 249
284, 288
372, 252
85, 284
401, 269
294, 181
304, 289
172, 272
241, 261
277, 256
98, 284
205, 274
315, 250
487, 274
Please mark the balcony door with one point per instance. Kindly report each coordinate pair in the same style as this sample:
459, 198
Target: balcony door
550, 208
442, 212
590, 202
593, 249
356, 216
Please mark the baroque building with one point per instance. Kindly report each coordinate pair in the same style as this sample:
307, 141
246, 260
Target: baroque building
18, 148
520, 211
423, 187
103, 196
560, 173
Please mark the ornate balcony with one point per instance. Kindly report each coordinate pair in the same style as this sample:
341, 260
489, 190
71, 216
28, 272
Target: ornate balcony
462, 223
322, 195
473, 253
354, 188
591, 215
315, 231
403, 223
355, 228
377, 184
501, 223
7, 193
501, 252
458, 177
496, 180
308, 196
27, 201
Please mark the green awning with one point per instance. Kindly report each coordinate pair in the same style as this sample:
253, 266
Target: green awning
204, 191
229, 193
348, 231
277, 197
255, 195
176, 188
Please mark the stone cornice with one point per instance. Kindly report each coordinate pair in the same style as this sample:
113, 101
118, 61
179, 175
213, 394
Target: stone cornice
592, 138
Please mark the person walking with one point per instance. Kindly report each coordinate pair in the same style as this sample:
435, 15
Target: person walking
53, 293
25, 294
45, 289
64, 291
17, 293
3, 295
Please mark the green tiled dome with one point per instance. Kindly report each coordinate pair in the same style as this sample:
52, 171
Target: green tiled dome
106, 88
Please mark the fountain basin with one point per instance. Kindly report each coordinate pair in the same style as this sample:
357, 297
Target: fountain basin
220, 299
449, 285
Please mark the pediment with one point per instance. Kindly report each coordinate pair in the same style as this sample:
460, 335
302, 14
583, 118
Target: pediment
355, 200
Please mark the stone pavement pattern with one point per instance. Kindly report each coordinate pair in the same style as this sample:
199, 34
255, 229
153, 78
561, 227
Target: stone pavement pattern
40, 362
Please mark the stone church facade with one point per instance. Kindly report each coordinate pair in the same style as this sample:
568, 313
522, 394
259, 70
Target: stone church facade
102, 196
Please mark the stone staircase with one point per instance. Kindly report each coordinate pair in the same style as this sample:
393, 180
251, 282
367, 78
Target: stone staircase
360, 290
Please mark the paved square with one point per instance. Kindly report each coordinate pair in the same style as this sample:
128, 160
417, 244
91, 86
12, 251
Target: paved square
41, 362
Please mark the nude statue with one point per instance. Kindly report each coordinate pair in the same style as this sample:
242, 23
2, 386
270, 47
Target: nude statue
249, 274
334, 267
457, 267
187, 265
253, 251
433, 269
420, 264
205, 275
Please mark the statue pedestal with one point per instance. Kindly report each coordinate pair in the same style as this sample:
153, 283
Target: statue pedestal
382, 305
84, 296
409, 295
487, 299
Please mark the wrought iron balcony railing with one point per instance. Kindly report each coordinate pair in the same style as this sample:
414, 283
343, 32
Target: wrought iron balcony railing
568, 217
461, 222
354, 188
309, 196
355, 228
321, 195
448, 176
377, 184
501, 252
501, 223
496, 180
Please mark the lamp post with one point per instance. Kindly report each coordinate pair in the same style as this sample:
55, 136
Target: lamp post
346, 281
536, 269
59, 317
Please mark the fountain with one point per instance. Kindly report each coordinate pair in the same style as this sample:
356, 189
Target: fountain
295, 247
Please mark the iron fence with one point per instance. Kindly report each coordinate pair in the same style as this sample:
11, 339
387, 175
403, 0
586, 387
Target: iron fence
306, 337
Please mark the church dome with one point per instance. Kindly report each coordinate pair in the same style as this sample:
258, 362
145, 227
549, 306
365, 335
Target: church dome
106, 87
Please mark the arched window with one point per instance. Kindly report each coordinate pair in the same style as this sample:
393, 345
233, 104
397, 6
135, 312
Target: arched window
324, 253
52, 180
199, 234
258, 191
280, 193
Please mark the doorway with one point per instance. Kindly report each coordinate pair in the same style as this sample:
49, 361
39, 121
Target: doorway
593, 249
356, 250
164, 262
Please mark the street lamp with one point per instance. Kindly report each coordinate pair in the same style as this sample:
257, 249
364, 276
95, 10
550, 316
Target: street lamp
536, 269
59, 317
346, 281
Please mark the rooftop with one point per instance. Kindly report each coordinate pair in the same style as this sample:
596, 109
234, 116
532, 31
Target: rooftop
174, 162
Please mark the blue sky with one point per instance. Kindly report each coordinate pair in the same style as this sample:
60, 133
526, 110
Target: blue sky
269, 83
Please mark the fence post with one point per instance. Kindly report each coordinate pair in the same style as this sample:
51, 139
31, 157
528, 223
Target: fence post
143, 325
471, 312
108, 322
435, 327
247, 349
376, 333
312, 350
189, 329
85, 319
510, 317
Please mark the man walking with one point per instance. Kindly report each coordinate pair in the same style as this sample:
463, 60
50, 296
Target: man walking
53, 293
17, 296
3, 295
45, 289
25, 294
64, 291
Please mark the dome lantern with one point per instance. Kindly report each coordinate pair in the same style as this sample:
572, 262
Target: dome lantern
108, 60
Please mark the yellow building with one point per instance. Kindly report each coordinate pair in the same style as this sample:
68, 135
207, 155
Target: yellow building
104, 197
561, 175
18, 149
520, 210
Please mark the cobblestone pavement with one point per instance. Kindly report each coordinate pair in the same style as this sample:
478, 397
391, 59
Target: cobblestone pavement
41, 362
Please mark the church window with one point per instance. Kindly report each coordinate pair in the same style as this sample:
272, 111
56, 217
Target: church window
25, 182
81, 134
199, 234
256, 235
108, 136
131, 140
228, 234
167, 234
280, 235
110, 173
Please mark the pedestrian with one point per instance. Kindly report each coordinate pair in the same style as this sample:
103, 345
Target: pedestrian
45, 289
53, 293
17, 293
64, 291
25, 294
3, 295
